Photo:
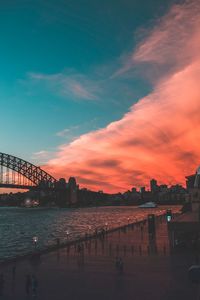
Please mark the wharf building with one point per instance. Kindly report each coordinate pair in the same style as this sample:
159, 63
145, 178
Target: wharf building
184, 231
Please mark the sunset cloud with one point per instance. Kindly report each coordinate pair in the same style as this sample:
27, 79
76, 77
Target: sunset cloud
160, 135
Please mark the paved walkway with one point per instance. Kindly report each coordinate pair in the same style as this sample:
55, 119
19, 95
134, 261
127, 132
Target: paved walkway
90, 272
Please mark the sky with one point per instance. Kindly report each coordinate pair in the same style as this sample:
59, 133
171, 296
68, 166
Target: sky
106, 91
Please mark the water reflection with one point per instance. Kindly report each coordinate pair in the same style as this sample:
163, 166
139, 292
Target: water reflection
18, 226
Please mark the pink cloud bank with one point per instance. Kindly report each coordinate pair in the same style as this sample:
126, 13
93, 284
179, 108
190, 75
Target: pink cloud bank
160, 136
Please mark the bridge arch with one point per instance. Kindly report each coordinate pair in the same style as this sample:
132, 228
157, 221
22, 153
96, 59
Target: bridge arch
33, 173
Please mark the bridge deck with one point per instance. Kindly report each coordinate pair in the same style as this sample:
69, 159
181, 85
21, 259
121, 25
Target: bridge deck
16, 186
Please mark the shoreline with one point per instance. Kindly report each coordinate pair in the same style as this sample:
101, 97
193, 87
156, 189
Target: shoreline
61, 245
88, 270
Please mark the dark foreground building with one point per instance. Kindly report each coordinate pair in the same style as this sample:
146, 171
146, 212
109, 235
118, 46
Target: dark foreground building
184, 230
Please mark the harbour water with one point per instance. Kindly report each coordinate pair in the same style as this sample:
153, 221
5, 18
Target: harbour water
18, 226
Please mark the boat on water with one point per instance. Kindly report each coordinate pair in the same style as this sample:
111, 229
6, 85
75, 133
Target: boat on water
31, 203
148, 205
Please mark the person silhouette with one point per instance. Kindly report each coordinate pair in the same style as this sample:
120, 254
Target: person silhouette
28, 284
34, 285
1, 284
117, 263
13, 271
121, 265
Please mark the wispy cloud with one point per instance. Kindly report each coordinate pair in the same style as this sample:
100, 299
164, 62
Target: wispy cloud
68, 132
68, 84
63, 133
160, 52
99, 86
160, 135
74, 131
42, 156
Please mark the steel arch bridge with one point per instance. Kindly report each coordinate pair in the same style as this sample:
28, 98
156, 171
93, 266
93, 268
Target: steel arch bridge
35, 175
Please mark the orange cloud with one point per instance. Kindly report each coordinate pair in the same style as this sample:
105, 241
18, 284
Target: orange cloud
160, 136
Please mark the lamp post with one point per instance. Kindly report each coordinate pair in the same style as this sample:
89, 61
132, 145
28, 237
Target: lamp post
169, 215
35, 240
89, 229
106, 226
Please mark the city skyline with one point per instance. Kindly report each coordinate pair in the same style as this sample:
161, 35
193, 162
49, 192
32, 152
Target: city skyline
16, 173
108, 94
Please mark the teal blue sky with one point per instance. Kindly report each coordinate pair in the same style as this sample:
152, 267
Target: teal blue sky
60, 62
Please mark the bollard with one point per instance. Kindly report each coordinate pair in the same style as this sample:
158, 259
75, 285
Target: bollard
103, 247
58, 242
110, 249
151, 223
95, 248
124, 250
194, 274
89, 247
117, 249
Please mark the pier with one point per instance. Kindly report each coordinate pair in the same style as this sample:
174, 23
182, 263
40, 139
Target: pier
89, 272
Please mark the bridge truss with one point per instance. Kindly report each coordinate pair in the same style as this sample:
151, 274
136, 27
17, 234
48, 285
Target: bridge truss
18, 173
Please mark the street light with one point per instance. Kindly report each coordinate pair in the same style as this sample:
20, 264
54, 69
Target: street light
169, 215
89, 229
35, 240
106, 225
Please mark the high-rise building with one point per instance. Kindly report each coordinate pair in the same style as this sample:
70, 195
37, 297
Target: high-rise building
142, 189
61, 184
163, 188
134, 190
190, 181
153, 185
72, 186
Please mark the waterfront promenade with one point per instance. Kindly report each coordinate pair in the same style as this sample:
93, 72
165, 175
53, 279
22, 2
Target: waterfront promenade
89, 271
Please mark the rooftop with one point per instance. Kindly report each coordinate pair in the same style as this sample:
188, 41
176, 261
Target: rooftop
190, 217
